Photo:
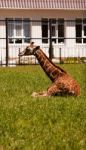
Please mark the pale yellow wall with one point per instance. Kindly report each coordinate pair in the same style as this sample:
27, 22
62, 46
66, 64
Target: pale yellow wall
37, 14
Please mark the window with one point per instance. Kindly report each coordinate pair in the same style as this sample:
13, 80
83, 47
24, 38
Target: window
57, 30
19, 30
80, 31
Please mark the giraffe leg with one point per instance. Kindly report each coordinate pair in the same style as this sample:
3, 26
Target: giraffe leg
39, 94
53, 90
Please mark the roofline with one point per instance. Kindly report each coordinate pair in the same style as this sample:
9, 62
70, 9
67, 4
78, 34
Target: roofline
76, 9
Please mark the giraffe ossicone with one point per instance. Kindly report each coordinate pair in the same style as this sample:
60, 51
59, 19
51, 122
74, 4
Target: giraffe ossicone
63, 83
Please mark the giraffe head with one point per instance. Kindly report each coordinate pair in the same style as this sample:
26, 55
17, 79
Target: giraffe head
29, 50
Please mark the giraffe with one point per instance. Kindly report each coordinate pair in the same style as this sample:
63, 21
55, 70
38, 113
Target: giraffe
62, 82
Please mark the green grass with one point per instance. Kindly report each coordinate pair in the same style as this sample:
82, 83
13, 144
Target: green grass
27, 123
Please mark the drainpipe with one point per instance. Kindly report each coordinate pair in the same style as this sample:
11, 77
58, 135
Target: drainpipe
50, 40
6, 22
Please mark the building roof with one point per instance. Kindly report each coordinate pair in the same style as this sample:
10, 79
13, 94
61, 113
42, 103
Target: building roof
43, 4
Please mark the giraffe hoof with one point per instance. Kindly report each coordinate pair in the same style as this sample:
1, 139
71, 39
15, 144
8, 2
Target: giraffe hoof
34, 94
40, 94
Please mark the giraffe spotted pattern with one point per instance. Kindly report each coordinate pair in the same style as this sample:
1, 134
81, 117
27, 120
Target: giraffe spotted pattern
63, 83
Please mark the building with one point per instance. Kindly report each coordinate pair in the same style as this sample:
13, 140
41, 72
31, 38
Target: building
28, 20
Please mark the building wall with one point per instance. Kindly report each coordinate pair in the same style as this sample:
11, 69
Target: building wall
36, 28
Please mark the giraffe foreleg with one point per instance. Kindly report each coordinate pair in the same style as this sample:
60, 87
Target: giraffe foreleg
53, 90
39, 94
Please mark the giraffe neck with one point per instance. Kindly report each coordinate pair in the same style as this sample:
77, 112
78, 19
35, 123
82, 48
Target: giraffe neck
48, 66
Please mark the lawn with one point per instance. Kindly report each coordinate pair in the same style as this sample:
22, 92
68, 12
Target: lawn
52, 123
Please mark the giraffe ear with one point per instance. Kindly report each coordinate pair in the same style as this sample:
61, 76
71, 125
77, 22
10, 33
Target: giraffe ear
31, 43
37, 47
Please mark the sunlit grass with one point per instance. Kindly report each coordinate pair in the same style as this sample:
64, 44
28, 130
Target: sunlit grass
27, 123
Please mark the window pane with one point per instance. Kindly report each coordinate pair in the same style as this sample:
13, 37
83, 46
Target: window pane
60, 30
18, 40
84, 30
78, 21
60, 40
78, 40
26, 27
27, 40
18, 30
18, 27
78, 31
84, 40
84, 21
10, 28
18, 20
54, 40
53, 31
45, 30
11, 40
53, 21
